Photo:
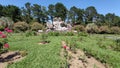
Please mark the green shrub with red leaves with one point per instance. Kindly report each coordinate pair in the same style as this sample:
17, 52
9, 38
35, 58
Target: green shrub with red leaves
3, 40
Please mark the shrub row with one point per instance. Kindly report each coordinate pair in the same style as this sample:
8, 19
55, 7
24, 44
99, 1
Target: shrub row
57, 33
23, 26
93, 28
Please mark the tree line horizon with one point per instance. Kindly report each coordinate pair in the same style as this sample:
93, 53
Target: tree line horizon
37, 13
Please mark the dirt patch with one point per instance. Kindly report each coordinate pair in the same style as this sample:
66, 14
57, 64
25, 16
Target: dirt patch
45, 42
80, 59
9, 58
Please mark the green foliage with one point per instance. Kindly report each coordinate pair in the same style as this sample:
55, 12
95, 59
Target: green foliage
44, 37
26, 11
82, 34
68, 34
92, 28
3, 41
90, 13
39, 12
57, 33
79, 28
11, 11
36, 26
117, 46
2, 28
61, 11
71, 42
20, 26
75, 15
30, 33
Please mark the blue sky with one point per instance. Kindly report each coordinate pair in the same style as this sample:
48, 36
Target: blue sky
102, 6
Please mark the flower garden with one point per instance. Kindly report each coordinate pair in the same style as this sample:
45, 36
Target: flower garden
58, 50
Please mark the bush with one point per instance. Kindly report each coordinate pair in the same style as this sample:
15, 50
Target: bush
115, 30
44, 38
20, 26
104, 30
79, 28
92, 28
36, 26
82, 34
117, 46
54, 33
68, 33
57, 33
3, 42
6, 22
30, 33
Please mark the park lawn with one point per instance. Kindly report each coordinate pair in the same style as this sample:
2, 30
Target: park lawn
48, 55
39, 56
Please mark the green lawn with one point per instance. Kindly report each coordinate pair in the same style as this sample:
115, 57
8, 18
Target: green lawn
39, 56
48, 55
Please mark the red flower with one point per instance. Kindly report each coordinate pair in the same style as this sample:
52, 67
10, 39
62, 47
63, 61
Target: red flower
64, 46
1, 33
6, 45
3, 36
6, 29
9, 31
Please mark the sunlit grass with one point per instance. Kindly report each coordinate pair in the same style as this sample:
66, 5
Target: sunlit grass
48, 55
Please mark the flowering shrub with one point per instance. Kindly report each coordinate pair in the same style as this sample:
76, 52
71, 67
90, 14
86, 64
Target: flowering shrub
3, 40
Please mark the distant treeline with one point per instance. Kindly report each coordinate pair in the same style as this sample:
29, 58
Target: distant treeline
37, 13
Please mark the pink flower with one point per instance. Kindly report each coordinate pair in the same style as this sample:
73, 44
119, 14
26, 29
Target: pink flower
9, 31
1, 33
6, 45
3, 36
64, 46
6, 29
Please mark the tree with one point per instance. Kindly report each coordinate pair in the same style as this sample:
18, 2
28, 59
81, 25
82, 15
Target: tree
100, 19
61, 11
51, 11
1, 8
109, 19
76, 15
90, 13
26, 13
39, 12
12, 11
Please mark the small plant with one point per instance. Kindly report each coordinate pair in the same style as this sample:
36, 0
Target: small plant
30, 33
72, 44
117, 46
44, 38
54, 33
23, 53
69, 34
82, 34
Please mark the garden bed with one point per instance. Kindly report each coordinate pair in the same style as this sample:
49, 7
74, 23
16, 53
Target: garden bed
11, 57
79, 59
